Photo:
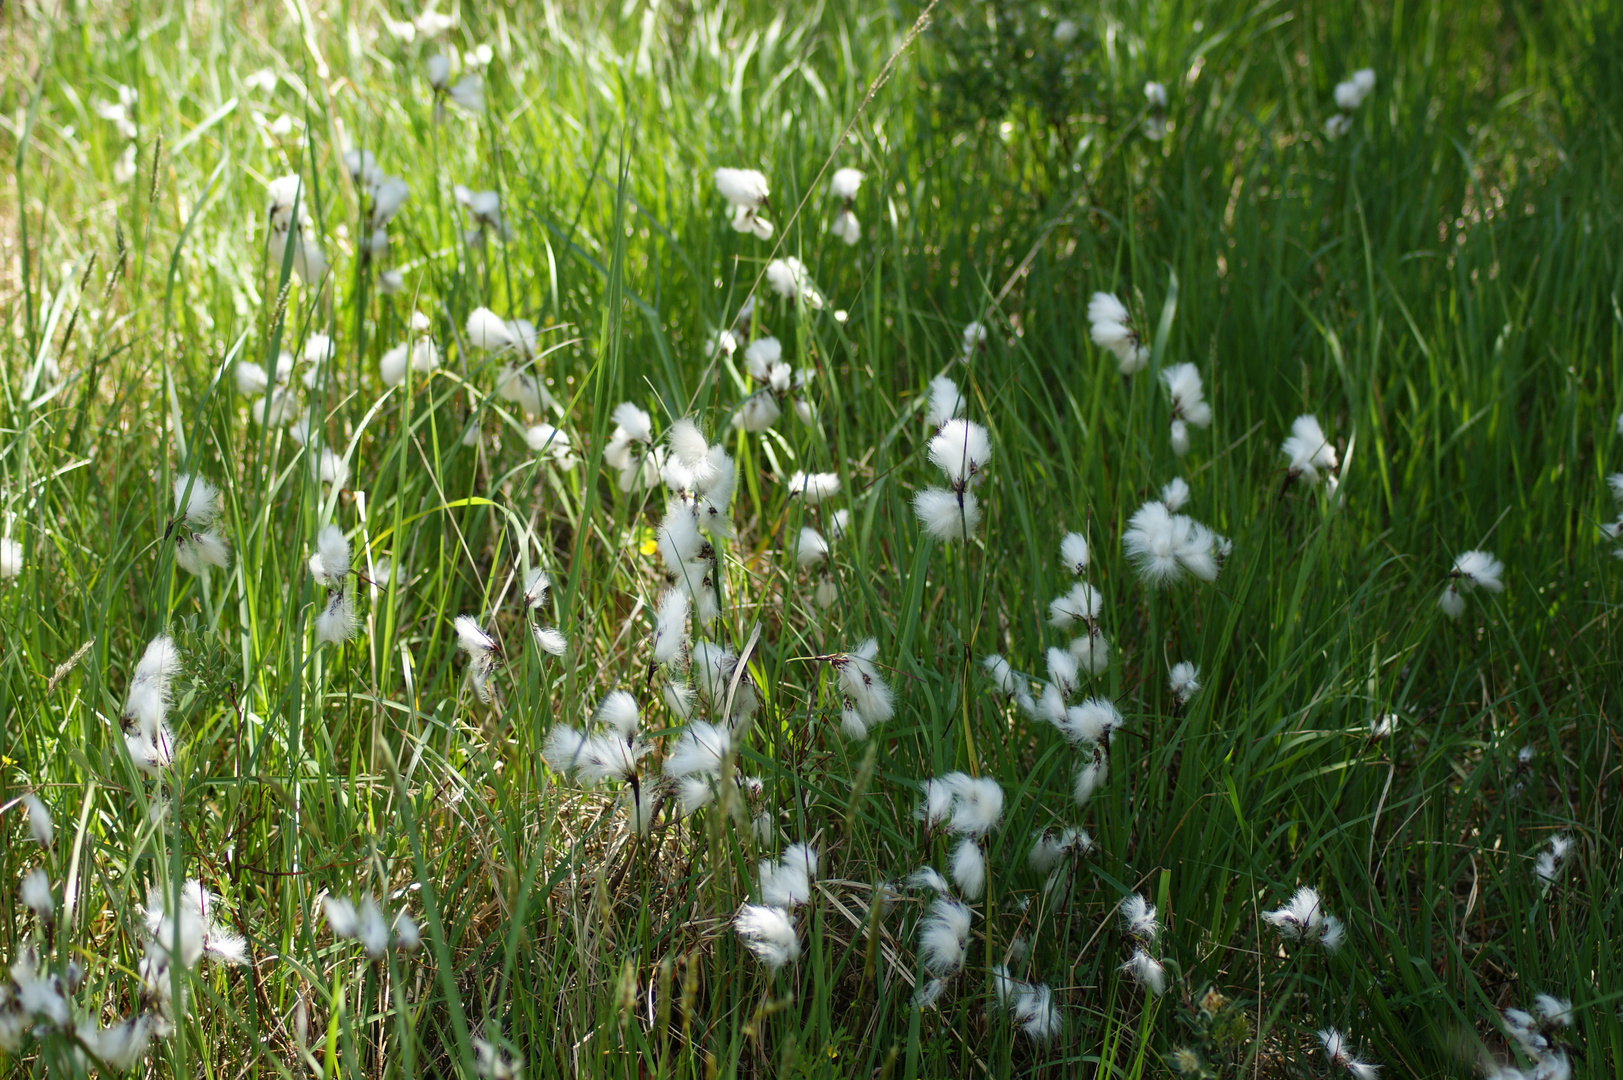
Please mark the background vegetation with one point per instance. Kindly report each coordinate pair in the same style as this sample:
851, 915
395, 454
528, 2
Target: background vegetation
1439, 286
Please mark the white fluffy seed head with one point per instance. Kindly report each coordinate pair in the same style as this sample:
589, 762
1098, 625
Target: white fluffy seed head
969, 868
814, 487
962, 450
770, 934
944, 936
741, 187
196, 500
1307, 450
947, 516
1183, 681
1073, 553
944, 403
811, 550
330, 562
1147, 972
670, 626
618, 712
1003, 677
1479, 569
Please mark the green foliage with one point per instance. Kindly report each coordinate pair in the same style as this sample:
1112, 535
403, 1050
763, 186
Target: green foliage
1438, 287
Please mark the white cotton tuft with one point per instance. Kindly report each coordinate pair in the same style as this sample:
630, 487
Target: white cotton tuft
1073, 553
678, 541
549, 640
1452, 603
1175, 495
1151, 545
1138, 918
811, 549
1090, 778
1479, 569
844, 183
1002, 674
39, 819
928, 877
1091, 650
1081, 604
770, 934
196, 500
699, 751
1183, 681
961, 450
670, 626
1147, 972
945, 402
788, 882
618, 712
946, 516
330, 563
1111, 328
549, 440
1307, 449
862, 684
944, 936
1302, 918
337, 623
34, 893
1095, 722
1062, 671
741, 187
814, 487
969, 868
1187, 397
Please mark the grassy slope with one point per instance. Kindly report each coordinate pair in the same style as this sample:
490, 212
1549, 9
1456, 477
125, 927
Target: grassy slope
1438, 287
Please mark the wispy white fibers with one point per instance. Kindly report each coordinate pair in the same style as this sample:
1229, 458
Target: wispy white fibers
1002, 674
1339, 1050
863, 689
945, 401
198, 545
745, 191
193, 926
365, 922
961, 449
1307, 451
1112, 329
1138, 918
481, 650
969, 868
1080, 604
1304, 919
630, 447
1093, 722
1189, 407
694, 763
1472, 570
974, 341
1031, 1005
39, 819
1090, 776
549, 441
336, 622
1548, 865
811, 549
814, 487
790, 279
147, 736
843, 186
1183, 681
946, 516
11, 558
1175, 495
969, 806
285, 229
485, 208
548, 639
770, 934
1147, 972
1164, 546
787, 883
944, 936
670, 626
714, 667
1073, 553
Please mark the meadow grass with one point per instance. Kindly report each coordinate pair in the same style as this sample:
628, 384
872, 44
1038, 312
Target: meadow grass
1439, 286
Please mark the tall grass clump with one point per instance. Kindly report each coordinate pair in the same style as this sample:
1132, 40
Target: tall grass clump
860, 540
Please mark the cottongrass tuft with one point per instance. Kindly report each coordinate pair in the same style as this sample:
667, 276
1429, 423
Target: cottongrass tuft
1138, 917
1112, 329
944, 936
1548, 865
1189, 406
770, 934
1304, 919
1472, 570
1184, 681
1339, 1052
1146, 971
1308, 452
